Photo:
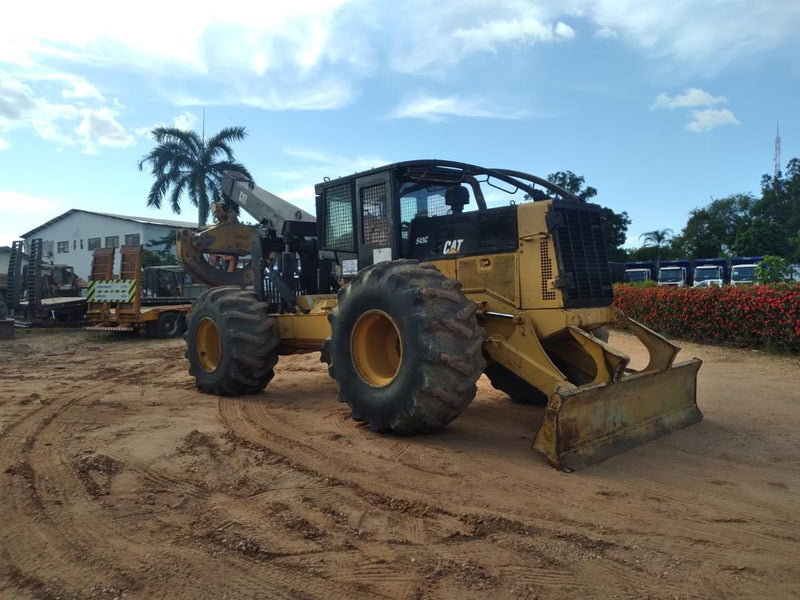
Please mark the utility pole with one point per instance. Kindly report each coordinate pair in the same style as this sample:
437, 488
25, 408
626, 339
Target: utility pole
778, 151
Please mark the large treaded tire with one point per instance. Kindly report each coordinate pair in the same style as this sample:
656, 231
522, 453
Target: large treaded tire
439, 343
519, 390
231, 342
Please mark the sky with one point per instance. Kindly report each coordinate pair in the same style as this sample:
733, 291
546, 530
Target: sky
662, 106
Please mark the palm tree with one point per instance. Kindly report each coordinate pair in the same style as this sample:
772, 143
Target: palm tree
656, 238
185, 162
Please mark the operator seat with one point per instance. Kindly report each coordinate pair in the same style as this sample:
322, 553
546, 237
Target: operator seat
456, 197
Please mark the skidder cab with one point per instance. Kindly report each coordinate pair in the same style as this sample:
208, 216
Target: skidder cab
417, 278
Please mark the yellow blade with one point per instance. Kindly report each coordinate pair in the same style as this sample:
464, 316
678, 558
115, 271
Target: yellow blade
589, 424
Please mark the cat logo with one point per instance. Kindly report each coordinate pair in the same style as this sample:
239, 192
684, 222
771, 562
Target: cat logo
452, 246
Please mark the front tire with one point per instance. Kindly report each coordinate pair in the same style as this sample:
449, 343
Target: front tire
231, 342
405, 347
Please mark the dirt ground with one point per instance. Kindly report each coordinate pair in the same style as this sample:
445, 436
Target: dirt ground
119, 480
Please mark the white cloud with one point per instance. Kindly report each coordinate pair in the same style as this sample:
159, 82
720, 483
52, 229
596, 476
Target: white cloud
704, 38
21, 202
706, 120
702, 120
606, 33
689, 98
23, 107
311, 55
489, 36
99, 127
185, 121
432, 108
76, 87
327, 93
4, 145
297, 185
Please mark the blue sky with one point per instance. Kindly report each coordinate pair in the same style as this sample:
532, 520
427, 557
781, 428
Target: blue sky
661, 106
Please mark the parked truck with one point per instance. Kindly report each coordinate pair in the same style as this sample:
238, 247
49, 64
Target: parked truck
675, 273
711, 272
743, 269
640, 270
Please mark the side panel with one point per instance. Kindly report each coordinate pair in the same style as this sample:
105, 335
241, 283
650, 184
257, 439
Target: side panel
537, 257
474, 233
498, 274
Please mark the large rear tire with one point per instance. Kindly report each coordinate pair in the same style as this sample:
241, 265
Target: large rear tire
231, 342
405, 347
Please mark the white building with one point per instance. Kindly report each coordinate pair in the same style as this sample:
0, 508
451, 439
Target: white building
70, 238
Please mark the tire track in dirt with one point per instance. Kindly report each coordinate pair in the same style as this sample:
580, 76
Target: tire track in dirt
57, 517
260, 423
357, 457
297, 501
32, 520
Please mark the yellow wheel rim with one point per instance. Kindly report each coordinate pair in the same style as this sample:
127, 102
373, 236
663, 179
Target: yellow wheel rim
209, 345
376, 348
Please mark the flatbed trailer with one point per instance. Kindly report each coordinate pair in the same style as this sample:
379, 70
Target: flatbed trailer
117, 304
61, 309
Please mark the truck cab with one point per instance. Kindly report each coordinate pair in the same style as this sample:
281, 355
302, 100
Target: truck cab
743, 269
640, 271
675, 273
711, 272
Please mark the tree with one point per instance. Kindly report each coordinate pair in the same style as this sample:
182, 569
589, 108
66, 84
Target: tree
657, 238
711, 231
573, 184
761, 238
615, 225
773, 269
183, 162
615, 228
166, 242
164, 255
777, 212
157, 259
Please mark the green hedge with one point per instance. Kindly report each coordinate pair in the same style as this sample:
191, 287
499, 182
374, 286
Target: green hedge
748, 315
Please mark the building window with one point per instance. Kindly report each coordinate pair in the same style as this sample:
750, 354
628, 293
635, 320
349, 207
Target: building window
74, 244
93, 243
63, 247
132, 239
81, 244
112, 241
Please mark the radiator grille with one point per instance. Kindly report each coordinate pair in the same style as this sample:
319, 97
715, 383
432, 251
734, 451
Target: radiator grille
585, 277
547, 272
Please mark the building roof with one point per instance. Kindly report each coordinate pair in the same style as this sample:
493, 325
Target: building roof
143, 220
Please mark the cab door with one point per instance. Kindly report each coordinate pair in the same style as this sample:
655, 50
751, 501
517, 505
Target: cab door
376, 217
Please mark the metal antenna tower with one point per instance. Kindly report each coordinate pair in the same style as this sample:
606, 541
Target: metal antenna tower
777, 151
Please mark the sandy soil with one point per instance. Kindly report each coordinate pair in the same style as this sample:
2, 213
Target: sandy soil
119, 480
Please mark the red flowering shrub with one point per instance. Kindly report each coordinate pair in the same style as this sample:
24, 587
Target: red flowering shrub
751, 315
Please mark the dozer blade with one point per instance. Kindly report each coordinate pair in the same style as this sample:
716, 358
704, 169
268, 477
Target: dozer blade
589, 424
